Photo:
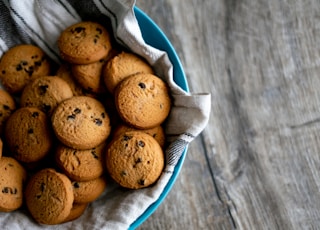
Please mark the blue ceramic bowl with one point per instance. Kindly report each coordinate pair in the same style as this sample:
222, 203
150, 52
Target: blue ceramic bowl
153, 36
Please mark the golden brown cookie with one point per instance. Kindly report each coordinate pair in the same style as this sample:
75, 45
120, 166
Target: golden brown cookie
122, 66
21, 64
45, 93
89, 76
49, 196
7, 106
134, 159
12, 179
156, 132
28, 134
81, 122
64, 72
84, 43
76, 211
88, 191
81, 165
143, 100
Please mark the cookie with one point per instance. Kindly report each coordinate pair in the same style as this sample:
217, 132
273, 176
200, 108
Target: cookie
12, 179
45, 93
143, 101
28, 134
49, 196
134, 160
81, 165
122, 66
156, 132
84, 43
65, 72
88, 191
21, 64
81, 122
89, 76
7, 106
76, 211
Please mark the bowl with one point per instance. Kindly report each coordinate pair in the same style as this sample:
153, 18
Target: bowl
155, 37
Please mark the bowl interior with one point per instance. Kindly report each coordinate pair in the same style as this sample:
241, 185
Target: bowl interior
153, 36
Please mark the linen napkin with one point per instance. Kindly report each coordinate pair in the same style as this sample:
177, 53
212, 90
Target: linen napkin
40, 23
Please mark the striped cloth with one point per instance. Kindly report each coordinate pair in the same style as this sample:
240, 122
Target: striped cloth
40, 23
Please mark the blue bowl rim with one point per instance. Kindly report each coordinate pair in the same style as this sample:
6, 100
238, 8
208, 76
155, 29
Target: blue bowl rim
177, 71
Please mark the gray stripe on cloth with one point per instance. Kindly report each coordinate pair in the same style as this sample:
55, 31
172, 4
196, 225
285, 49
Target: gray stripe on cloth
174, 151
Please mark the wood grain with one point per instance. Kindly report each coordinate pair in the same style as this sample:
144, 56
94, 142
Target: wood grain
257, 164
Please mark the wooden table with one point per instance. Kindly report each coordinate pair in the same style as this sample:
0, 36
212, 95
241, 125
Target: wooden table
257, 164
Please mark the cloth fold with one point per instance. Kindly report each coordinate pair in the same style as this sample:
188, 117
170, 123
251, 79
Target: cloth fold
40, 23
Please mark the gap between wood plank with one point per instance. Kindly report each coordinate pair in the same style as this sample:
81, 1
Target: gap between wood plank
215, 183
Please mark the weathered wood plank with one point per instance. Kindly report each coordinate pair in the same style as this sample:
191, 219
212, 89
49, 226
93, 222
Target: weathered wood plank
193, 202
257, 164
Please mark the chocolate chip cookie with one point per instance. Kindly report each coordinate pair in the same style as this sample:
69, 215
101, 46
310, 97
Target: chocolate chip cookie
81, 122
134, 159
21, 64
84, 43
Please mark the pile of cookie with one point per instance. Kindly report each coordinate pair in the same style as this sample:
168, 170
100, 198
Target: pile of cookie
67, 131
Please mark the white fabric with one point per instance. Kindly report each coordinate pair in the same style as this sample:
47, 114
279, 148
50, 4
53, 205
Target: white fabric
40, 22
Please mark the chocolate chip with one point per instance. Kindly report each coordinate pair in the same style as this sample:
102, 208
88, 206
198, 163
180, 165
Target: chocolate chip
71, 117
6, 107
141, 182
38, 63
98, 121
34, 56
29, 70
42, 187
24, 63
5, 190
137, 161
35, 114
30, 131
95, 40
142, 85
9, 190
103, 115
94, 154
1, 114
99, 30
78, 29
77, 111
141, 143
76, 185
43, 89
14, 191
3, 72
38, 196
19, 67
126, 138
